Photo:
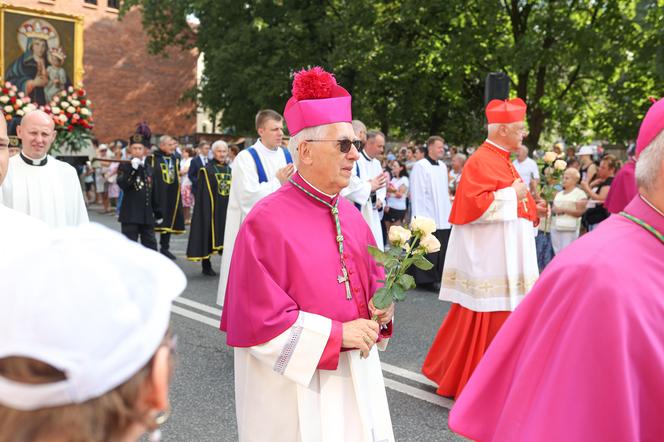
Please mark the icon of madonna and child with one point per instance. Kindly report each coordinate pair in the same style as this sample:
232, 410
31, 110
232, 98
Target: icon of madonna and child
39, 72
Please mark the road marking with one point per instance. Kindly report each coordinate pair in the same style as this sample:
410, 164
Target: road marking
199, 306
426, 396
195, 316
402, 372
409, 390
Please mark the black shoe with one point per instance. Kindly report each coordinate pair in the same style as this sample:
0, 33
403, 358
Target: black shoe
209, 272
168, 254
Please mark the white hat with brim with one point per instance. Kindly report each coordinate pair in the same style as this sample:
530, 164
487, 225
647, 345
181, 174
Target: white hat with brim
89, 303
585, 150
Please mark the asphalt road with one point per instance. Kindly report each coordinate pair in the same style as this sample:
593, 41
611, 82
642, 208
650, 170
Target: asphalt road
202, 392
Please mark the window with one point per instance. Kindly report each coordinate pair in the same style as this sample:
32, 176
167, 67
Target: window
115, 4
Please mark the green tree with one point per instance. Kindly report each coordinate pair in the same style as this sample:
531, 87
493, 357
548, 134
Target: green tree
416, 67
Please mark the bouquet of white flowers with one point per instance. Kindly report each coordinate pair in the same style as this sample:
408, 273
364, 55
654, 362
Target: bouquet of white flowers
409, 245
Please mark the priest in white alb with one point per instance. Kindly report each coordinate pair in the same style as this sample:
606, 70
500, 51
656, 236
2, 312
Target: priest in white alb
491, 260
257, 171
298, 303
430, 198
39, 185
367, 188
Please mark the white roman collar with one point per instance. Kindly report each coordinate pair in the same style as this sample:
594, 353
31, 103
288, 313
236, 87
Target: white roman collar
497, 145
317, 189
652, 206
34, 162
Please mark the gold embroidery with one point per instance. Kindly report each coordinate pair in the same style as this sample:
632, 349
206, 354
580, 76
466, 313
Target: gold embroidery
488, 287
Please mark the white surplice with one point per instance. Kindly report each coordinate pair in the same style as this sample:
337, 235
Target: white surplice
245, 192
491, 263
51, 193
429, 194
282, 397
359, 192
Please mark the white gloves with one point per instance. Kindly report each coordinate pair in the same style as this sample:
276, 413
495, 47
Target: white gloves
135, 162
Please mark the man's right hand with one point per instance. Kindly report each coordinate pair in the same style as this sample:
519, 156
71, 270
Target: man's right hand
378, 182
285, 172
361, 334
520, 188
135, 162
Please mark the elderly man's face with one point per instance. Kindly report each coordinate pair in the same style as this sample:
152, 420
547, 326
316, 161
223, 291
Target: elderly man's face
375, 146
4, 149
168, 146
514, 134
332, 167
220, 153
37, 133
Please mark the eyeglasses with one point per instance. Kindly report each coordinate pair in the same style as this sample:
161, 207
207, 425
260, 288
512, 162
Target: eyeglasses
344, 145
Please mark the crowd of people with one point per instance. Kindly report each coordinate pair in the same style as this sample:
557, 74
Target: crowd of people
513, 347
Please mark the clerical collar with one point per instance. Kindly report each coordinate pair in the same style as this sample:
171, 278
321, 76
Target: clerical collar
497, 145
652, 206
432, 161
366, 157
317, 189
31, 162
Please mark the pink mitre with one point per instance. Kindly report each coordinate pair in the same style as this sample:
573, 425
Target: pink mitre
651, 126
317, 99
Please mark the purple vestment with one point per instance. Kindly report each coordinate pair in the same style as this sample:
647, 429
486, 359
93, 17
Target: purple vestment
286, 260
623, 188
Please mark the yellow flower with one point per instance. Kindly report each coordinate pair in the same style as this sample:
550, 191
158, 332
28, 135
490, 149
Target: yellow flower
550, 157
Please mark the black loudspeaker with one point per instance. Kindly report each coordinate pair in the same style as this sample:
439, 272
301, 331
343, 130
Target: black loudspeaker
496, 86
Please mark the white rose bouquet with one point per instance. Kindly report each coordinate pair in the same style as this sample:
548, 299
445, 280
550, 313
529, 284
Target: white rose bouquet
553, 173
409, 245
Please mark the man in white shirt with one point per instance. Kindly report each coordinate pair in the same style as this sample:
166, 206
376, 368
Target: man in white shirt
369, 192
527, 169
39, 185
257, 172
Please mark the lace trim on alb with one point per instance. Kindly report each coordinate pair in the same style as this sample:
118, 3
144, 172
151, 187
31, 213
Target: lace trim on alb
287, 352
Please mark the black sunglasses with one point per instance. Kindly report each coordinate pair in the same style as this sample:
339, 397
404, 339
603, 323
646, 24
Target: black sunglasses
344, 145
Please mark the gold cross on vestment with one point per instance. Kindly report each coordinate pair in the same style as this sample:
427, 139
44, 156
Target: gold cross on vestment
344, 279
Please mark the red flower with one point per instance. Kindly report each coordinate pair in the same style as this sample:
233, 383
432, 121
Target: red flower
12, 100
83, 102
5, 90
70, 128
81, 92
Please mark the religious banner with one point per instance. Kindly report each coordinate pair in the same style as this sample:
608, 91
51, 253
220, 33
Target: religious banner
41, 52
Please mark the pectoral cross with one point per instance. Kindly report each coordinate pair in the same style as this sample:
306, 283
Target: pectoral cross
344, 279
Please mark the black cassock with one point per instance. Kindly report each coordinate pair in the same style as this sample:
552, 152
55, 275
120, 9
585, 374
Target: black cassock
167, 191
209, 219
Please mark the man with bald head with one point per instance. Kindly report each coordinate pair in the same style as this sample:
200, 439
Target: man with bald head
39, 185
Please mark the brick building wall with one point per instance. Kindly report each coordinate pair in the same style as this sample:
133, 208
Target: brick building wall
124, 82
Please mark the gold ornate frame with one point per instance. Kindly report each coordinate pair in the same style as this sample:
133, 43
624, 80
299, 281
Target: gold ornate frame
78, 34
